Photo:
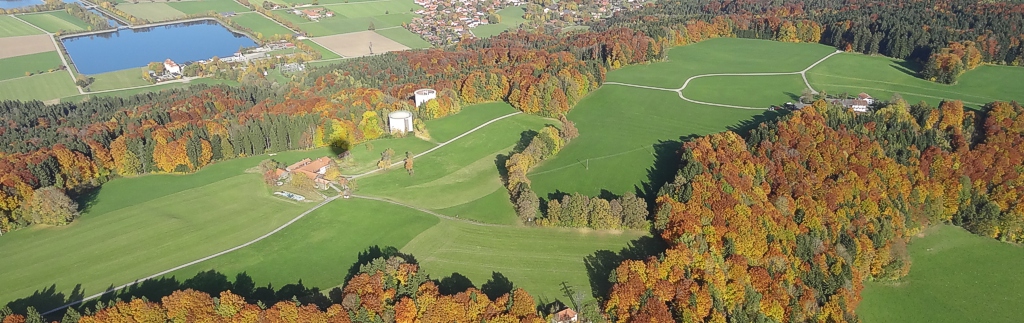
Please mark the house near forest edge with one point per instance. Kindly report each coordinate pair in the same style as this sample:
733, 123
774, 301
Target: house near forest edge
314, 169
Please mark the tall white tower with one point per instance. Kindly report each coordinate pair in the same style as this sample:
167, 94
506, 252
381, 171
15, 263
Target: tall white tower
400, 121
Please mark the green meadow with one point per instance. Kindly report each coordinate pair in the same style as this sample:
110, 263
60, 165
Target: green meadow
956, 276
883, 76
152, 11
511, 17
358, 16
260, 24
536, 259
55, 21
15, 67
136, 227
41, 87
10, 27
203, 6
746, 91
324, 52
405, 37
119, 79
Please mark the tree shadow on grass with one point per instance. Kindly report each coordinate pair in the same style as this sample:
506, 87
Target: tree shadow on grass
210, 282
454, 284
601, 264
907, 67
86, 196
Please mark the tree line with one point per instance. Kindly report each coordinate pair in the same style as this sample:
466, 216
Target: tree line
788, 223
385, 289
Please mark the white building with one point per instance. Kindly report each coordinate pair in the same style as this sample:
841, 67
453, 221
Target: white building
171, 68
400, 121
424, 95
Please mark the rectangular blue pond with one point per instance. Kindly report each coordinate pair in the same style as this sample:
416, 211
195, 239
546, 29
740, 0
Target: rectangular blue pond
131, 48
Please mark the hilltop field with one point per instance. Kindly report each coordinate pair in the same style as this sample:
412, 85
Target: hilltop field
454, 216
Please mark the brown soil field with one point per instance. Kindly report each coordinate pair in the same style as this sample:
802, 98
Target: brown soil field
359, 43
24, 45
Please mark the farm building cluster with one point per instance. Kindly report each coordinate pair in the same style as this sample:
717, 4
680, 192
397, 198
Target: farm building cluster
313, 169
314, 14
860, 104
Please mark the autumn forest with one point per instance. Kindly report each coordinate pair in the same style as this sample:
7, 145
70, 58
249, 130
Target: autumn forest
785, 221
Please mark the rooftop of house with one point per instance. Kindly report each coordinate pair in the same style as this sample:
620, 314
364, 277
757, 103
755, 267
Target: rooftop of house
565, 315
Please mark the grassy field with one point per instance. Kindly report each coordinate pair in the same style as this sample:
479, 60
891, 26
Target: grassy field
883, 76
139, 226
152, 11
955, 277
722, 55
404, 37
358, 16
622, 132
203, 6
373, 8
747, 91
56, 21
161, 87
319, 249
324, 52
260, 24
459, 173
511, 17
10, 27
15, 67
41, 87
118, 79
537, 259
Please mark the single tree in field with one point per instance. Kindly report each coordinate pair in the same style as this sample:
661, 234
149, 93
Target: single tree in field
569, 131
526, 202
408, 163
385, 159
49, 205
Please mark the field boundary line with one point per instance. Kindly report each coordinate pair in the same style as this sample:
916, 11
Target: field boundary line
56, 47
679, 91
441, 144
593, 158
165, 272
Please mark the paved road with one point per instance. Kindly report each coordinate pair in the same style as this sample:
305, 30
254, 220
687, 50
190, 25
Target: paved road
679, 91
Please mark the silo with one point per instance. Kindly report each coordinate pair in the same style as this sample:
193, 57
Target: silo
424, 95
400, 121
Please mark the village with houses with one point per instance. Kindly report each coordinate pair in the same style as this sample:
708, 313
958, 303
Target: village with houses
170, 70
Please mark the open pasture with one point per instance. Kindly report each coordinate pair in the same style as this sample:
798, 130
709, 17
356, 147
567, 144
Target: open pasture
361, 43
320, 248
55, 21
536, 259
260, 24
10, 27
15, 67
746, 91
460, 172
204, 6
883, 76
956, 277
152, 11
404, 37
722, 55
139, 226
373, 8
119, 79
43, 87
511, 17
25, 45
624, 132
